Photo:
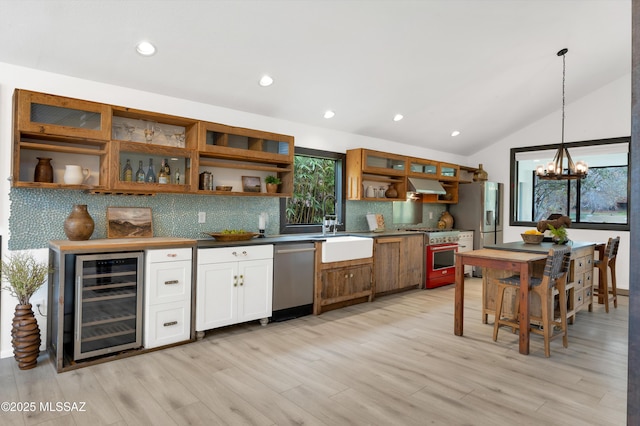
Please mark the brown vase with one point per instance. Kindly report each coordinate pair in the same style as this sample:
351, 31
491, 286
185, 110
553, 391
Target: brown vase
480, 174
78, 226
44, 170
447, 219
25, 337
391, 192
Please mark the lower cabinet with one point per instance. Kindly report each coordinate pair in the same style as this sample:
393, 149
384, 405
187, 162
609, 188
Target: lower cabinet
167, 297
399, 263
235, 284
339, 284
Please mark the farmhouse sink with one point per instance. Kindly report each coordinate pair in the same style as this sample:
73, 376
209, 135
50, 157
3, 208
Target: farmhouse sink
348, 247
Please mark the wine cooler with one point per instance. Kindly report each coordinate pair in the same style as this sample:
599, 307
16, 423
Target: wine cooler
108, 309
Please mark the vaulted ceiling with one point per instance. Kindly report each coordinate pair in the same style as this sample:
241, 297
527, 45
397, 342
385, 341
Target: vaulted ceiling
483, 67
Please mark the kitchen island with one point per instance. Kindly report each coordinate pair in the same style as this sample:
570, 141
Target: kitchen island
503, 260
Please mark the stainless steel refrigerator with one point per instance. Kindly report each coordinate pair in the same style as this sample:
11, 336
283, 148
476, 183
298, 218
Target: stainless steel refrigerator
479, 209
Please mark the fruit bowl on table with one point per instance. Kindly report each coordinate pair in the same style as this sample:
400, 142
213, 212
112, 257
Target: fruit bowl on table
224, 236
532, 238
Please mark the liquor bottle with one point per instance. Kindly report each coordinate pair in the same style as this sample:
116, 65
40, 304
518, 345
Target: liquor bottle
162, 174
140, 177
167, 170
177, 177
127, 173
151, 173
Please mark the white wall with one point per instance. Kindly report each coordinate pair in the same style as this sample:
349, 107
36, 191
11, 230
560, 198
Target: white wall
605, 113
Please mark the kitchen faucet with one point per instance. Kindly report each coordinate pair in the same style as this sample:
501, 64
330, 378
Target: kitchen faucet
329, 220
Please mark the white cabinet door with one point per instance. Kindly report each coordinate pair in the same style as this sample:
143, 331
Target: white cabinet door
216, 297
255, 290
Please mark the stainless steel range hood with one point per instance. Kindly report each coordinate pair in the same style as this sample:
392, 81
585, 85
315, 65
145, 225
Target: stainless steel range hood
425, 186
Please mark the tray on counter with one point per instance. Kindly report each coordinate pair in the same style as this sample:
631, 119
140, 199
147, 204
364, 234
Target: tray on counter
220, 236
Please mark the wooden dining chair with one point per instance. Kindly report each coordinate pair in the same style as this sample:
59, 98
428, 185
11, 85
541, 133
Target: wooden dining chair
553, 281
607, 260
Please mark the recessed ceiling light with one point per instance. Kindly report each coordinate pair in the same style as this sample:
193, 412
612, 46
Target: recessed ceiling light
329, 114
265, 81
145, 48
398, 117
455, 133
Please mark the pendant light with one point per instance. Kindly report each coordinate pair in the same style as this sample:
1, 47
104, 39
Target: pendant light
556, 169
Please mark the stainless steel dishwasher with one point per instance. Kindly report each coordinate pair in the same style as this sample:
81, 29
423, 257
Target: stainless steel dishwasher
293, 272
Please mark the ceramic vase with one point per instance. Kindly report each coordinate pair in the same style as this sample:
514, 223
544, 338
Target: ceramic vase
391, 192
480, 174
25, 337
78, 226
44, 171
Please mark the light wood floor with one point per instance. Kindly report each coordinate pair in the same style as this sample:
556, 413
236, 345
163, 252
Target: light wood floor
395, 361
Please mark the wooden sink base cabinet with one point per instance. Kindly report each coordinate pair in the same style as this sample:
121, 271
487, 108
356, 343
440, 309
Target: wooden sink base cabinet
340, 284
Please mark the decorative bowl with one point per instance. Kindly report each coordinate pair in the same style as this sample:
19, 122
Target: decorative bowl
220, 236
223, 188
532, 238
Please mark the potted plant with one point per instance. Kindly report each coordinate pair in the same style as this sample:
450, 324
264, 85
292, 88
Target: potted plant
559, 234
25, 276
272, 183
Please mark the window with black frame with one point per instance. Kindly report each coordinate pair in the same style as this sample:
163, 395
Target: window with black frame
599, 201
318, 188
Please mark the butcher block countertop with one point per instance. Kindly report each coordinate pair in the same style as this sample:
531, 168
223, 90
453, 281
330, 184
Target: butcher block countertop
119, 244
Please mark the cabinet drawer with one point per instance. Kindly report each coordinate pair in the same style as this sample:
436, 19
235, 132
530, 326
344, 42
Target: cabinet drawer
169, 255
234, 254
166, 324
578, 298
169, 282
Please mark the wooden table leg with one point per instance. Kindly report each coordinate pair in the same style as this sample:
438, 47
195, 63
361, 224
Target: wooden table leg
524, 308
459, 298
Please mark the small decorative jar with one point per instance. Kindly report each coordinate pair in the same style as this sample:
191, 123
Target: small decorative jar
78, 226
480, 174
447, 219
391, 192
44, 170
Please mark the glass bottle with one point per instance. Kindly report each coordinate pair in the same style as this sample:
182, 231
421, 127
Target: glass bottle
140, 176
151, 173
127, 173
162, 174
177, 177
167, 170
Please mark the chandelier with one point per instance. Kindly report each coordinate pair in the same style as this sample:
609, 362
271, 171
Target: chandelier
556, 169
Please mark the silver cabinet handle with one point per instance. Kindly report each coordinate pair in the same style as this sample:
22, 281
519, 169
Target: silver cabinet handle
235, 281
172, 255
244, 253
171, 282
170, 323
241, 279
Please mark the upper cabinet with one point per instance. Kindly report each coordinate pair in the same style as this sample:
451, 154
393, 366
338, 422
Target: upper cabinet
123, 150
370, 173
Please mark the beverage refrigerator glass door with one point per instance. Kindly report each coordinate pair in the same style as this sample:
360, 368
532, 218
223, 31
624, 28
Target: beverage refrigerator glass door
440, 264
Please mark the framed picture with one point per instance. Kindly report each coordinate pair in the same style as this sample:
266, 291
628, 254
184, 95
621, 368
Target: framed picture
129, 222
251, 184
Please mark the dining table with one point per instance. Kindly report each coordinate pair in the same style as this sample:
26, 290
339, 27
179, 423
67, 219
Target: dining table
517, 261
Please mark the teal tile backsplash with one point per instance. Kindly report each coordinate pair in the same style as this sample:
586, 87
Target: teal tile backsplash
37, 215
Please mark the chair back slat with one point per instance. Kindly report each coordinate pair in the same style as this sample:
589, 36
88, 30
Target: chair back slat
557, 264
611, 251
